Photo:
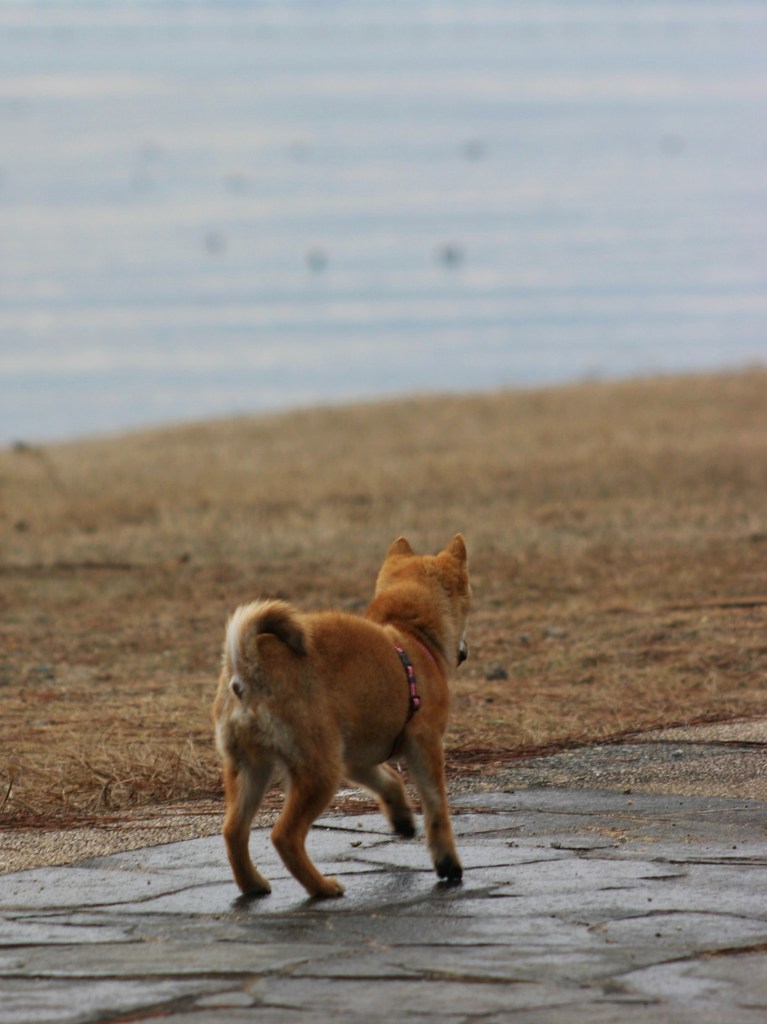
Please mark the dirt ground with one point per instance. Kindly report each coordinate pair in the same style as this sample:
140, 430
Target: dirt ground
618, 546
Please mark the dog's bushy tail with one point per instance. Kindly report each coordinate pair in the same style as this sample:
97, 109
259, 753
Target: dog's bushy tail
247, 623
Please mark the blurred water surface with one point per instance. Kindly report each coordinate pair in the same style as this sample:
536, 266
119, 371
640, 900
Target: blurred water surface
212, 208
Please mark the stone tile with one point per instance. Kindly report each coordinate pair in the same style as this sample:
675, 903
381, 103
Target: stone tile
43, 1000
627, 1011
27, 931
61, 887
160, 957
723, 982
409, 999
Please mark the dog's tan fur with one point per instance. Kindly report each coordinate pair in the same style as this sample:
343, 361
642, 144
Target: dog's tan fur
324, 696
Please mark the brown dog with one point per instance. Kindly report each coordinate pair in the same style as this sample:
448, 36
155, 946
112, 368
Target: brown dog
330, 695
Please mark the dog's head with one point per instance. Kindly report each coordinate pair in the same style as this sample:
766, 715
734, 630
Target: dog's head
436, 590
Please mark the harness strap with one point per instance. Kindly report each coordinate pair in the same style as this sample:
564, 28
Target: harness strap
415, 700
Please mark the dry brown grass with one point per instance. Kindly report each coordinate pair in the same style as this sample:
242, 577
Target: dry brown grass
618, 542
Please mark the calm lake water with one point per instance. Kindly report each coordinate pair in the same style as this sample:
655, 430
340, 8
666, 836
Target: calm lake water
214, 208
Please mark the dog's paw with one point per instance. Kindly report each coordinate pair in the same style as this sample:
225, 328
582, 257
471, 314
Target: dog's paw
449, 868
245, 899
404, 825
256, 886
329, 889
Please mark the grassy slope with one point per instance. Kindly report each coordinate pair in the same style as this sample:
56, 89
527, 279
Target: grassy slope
618, 542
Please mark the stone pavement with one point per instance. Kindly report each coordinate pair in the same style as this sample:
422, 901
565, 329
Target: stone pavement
587, 906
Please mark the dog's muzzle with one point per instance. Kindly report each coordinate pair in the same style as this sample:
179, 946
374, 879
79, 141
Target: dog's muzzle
463, 652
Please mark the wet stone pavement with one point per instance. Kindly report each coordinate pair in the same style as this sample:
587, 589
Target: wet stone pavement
588, 906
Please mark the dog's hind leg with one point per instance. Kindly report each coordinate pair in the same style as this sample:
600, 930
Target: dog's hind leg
425, 759
309, 793
244, 786
385, 783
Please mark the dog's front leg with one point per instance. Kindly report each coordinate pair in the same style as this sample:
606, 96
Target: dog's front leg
385, 783
425, 760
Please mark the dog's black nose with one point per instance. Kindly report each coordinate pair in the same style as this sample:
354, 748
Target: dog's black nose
463, 652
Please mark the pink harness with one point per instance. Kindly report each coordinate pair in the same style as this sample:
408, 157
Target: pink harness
415, 700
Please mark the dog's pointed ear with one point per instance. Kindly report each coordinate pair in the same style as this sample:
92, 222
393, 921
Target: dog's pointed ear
399, 547
457, 548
